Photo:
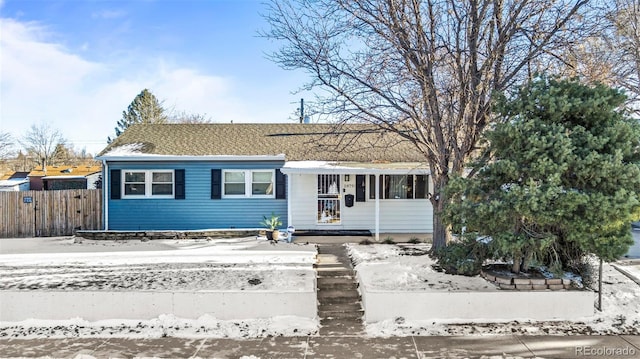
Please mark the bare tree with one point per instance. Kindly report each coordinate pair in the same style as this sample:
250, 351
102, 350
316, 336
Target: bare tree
186, 117
423, 69
623, 52
41, 141
611, 57
6, 144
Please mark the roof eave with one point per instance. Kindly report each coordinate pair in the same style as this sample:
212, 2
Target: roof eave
315, 167
161, 158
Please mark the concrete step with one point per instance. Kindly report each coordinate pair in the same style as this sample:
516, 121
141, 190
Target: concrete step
340, 308
357, 315
344, 323
327, 258
336, 283
332, 248
337, 287
335, 297
333, 272
350, 293
330, 266
336, 280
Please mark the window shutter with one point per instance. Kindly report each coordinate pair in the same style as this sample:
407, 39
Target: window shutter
281, 185
114, 188
421, 187
179, 184
372, 186
410, 185
361, 188
216, 184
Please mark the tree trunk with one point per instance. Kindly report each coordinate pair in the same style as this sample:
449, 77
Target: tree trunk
438, 201
515, 267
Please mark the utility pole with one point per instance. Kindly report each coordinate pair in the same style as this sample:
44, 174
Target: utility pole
301, 110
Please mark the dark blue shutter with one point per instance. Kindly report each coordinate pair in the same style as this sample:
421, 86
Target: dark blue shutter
179, 184
410, 187
361, 188
281, 185
216, 184
114, 187
421, 187
372, 187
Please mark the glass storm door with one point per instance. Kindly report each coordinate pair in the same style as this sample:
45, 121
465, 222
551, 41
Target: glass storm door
328, 199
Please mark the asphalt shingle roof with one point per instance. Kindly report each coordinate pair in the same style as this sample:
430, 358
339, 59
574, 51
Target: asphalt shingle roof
298, 142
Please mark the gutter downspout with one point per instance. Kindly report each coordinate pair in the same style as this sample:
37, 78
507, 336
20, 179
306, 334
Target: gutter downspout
377, 185
105, 199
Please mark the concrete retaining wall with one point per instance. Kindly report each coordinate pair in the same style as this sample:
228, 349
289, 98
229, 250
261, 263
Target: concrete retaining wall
100, 305
490, 306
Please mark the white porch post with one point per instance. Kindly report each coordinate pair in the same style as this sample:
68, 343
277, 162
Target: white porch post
377, 185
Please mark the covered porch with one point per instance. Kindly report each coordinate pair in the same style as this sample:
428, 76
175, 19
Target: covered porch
379, 197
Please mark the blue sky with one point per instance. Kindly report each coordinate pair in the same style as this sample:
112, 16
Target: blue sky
77, 64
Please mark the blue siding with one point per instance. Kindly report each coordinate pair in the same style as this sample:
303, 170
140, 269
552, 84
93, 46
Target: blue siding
197, 210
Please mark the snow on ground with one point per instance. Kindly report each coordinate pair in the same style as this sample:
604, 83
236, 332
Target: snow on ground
163, 326
244, 264
182, 265
250, 264
631, 266
408, 268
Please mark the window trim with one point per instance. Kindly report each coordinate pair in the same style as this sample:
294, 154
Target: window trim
248, 184
148, 184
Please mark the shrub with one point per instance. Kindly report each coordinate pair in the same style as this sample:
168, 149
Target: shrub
464, 257
366, 242
388, 240
414, 240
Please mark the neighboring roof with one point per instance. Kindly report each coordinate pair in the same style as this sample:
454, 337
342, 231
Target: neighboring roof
15, 176
65, 171
298, 142
12, 182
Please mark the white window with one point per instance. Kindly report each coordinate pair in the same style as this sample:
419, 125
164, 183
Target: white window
147, 184
248, 183
234, 183
400, 187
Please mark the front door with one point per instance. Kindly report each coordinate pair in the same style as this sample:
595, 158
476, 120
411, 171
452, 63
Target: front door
328, 199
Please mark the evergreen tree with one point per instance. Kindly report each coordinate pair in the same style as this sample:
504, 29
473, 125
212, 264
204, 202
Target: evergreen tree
145, 108
563, 178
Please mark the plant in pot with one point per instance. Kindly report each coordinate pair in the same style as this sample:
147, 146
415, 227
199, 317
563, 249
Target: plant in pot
272, 223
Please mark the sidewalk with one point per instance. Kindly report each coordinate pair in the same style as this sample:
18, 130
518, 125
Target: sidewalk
511, 346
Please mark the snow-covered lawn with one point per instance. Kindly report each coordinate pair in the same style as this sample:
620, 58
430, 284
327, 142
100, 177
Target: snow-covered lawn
390, 267
248, 264
244, 264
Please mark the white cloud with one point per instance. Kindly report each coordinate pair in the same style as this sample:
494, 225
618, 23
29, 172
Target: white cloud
43, 81
108, 14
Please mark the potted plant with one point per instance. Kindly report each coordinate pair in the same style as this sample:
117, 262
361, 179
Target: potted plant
272, 224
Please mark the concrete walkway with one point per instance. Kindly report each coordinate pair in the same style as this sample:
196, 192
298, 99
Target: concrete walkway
339, 303
510, 346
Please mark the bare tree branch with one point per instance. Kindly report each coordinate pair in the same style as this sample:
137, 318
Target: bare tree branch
6, 145
41, 141
425, 69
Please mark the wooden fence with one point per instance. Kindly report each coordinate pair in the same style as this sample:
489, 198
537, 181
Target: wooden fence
49, 213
